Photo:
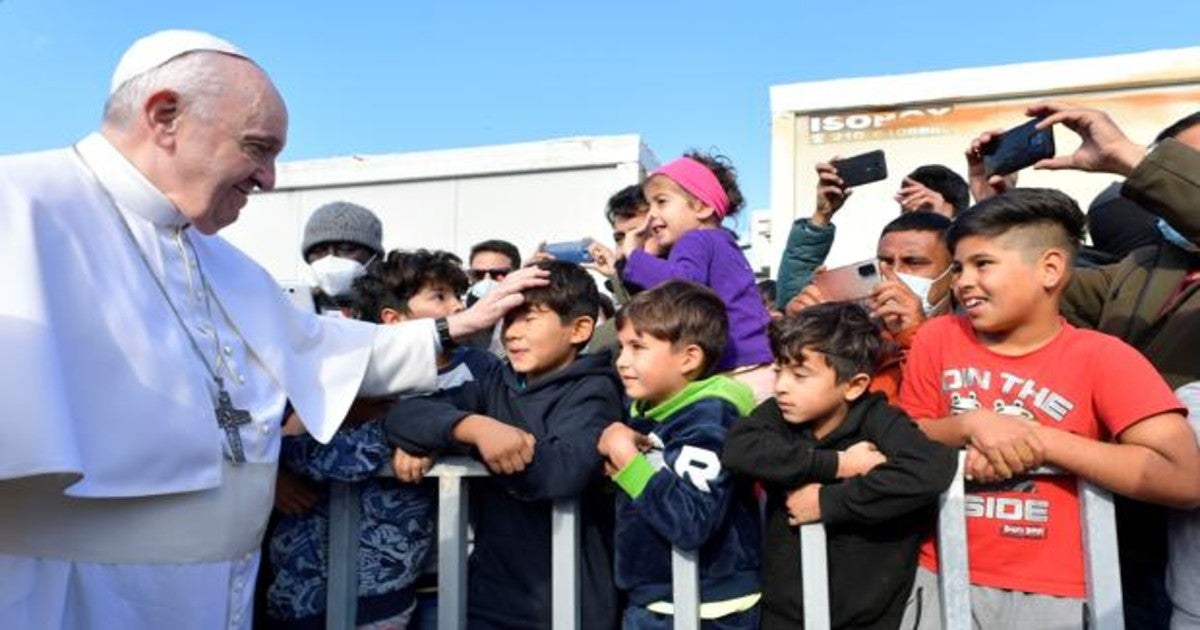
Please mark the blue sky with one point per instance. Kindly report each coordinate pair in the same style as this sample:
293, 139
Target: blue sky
381, 77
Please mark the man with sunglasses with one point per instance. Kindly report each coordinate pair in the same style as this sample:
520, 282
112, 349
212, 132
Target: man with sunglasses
489, 263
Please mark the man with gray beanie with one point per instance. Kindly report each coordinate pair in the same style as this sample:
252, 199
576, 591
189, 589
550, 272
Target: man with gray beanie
340, 240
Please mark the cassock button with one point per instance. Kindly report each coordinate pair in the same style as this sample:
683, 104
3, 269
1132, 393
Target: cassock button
241, 379
228, 351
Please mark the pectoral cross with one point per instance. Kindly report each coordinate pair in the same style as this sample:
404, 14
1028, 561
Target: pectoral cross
229, 418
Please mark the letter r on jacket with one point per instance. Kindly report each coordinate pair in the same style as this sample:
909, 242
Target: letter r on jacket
698, 466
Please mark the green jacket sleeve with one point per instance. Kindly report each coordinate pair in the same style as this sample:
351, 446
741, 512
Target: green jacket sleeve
1167, 183
807, 247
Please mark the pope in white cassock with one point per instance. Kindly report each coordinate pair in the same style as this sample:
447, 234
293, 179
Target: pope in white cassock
148, 362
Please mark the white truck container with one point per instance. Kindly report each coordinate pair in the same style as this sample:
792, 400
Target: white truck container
931, 118
525, 193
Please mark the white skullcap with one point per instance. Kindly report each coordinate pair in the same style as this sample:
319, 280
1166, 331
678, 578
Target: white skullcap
158, 48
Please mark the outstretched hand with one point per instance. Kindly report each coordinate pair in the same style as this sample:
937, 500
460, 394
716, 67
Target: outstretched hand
982, 186
1105, 148
495, 303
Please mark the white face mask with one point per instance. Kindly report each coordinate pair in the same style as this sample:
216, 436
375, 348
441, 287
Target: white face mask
481, 288
335, 275
924, 286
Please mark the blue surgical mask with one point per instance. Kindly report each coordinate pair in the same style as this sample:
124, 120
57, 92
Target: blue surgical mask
1175, 238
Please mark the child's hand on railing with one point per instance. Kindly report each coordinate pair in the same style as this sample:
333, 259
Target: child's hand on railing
619, 444
410, 468
503, 448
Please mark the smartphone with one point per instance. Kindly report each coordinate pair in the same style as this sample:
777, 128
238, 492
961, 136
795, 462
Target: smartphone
862, 169
300, 295
569, 251
851, 283
1018, 148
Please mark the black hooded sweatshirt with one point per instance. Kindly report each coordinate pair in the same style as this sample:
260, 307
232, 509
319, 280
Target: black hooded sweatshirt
509, 575
873, 523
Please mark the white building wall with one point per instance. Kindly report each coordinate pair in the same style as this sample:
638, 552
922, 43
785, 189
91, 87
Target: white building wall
931, 117
524, 193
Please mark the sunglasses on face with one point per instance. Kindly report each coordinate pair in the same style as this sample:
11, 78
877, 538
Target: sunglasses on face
496, 274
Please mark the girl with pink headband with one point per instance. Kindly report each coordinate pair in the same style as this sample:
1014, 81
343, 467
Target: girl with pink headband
689, 198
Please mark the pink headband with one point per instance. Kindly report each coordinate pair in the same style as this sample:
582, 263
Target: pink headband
695, 178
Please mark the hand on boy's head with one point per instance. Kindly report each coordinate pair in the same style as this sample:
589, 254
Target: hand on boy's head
1105, 148
501, 299
982, 186
619, 444
804, 505
1011, 445
831, 194
810, 296
410, 468
859, 459
895, 304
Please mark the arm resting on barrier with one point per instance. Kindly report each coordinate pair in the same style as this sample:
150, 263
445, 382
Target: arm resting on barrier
424, 425
565, 460
1155, 460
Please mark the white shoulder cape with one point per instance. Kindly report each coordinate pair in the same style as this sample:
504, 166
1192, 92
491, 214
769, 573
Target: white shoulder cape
94, 384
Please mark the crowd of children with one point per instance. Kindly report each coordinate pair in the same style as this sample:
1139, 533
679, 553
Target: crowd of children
706, 427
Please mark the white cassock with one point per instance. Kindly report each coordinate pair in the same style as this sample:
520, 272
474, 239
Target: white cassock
118, 505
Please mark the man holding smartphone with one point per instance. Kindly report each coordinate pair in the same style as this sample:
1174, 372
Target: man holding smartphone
929, 188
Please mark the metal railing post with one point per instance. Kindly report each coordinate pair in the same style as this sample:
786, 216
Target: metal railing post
452, 538
564, 559
954, 577
814, 572
341, 588
1102, 565
685, 588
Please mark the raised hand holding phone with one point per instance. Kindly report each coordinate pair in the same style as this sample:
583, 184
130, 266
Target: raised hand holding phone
1019, 147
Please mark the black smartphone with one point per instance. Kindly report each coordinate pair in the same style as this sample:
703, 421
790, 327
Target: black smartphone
862, 169
1018, 148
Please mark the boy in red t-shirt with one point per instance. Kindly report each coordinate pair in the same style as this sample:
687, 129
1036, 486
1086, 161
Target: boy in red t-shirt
1017, 386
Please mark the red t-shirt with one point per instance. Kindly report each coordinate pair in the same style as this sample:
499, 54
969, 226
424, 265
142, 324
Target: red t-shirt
1025, 535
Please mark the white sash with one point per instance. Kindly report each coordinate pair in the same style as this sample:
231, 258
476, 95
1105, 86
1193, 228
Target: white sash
214, 525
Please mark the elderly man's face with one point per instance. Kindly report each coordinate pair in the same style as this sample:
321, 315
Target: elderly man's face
221, 158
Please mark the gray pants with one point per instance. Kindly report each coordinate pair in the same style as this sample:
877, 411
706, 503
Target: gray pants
994, 608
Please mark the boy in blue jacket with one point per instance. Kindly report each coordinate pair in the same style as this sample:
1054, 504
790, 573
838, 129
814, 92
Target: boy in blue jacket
534, 422
666, 461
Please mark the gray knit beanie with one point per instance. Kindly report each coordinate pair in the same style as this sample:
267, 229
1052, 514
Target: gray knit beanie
343, 221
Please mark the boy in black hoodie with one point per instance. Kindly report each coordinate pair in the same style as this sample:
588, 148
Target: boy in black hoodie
826, 449
666, 461
534, 422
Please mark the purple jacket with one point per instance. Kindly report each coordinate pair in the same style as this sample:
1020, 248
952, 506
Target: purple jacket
711, 257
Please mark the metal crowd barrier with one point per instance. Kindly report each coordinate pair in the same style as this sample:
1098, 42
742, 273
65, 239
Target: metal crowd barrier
1096, 515
341, 602
1102, 567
